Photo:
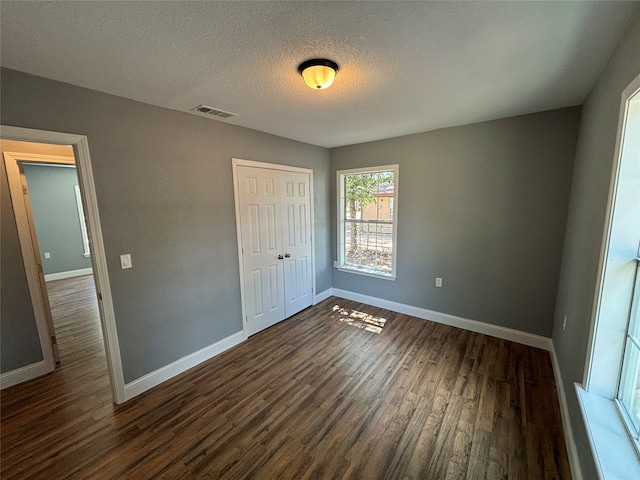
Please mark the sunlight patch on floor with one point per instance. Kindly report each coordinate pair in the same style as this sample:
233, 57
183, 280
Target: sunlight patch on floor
359, 319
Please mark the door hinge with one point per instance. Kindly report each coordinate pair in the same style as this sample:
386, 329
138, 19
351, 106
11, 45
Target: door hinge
53, 340
24, 189
39, 266
99, 296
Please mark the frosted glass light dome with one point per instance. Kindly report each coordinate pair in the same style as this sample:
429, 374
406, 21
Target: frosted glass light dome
318, 73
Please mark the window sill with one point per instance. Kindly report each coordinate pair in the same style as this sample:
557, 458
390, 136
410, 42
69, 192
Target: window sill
613, 450
368, 273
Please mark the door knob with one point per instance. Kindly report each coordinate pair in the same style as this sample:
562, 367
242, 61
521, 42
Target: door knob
287, 255
280, 257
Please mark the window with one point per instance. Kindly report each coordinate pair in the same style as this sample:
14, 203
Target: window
366, 231
83, 224
628, 397
609, 395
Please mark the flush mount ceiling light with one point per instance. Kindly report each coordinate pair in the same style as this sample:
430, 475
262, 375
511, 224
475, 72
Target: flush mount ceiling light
318, 73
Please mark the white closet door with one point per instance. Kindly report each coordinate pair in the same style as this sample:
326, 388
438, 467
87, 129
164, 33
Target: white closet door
261, 230
296, 238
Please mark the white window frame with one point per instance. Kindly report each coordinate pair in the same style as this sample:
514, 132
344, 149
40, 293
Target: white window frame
83, 223
341, 264
613, 444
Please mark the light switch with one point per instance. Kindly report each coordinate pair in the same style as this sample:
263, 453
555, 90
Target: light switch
125, 261
47, 255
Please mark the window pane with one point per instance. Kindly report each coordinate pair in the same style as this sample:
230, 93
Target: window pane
369, 245
629, 394
634, 319
629, 390
364, 192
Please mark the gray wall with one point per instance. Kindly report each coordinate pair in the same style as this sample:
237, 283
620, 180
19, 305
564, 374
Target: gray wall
585, 224
55, 213
19, 343
484, 207
165, 193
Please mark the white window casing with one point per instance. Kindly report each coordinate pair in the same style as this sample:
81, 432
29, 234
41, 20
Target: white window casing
378, 258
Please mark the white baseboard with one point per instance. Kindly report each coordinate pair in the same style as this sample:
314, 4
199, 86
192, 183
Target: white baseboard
505, 333
322, 296
156, 377
569, 439
22, 374
68, 274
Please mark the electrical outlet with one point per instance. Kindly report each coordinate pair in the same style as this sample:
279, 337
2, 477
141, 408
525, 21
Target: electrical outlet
564, 323
438, 282
335, 263
47, 255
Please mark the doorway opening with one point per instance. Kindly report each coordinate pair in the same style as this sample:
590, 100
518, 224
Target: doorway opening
61, 247
29, 157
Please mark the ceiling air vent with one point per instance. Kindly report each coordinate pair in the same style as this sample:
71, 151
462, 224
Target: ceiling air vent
214, 112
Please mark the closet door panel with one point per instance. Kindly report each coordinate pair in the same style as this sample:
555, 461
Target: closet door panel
296, 218
261, 232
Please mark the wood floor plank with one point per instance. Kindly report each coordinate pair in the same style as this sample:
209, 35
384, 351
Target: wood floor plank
340, 391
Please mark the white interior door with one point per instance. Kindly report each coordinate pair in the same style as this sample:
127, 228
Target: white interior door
262, 257
40, 270
274, 217
296, 237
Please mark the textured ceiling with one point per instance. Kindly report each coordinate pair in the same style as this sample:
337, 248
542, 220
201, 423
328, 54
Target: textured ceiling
405, 67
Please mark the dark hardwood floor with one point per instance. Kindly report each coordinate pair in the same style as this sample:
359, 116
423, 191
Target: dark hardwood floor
342, 390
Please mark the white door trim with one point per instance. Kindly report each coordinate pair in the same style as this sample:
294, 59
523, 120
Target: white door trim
98, 258
238, 162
